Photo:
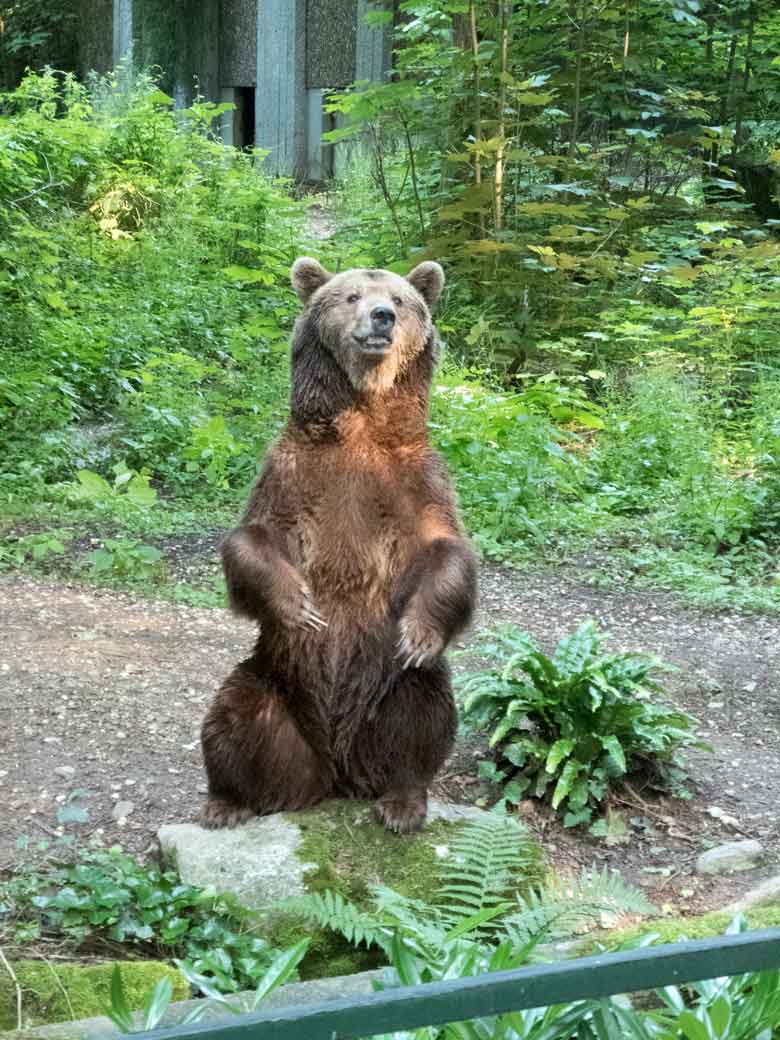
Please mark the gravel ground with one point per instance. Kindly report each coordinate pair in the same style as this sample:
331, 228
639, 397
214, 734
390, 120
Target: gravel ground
103, 693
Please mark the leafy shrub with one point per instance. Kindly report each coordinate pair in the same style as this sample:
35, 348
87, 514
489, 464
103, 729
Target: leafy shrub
507, 460
32, 548
143, 285
107, 895
574, 724
157, 1003
125, 559
657, 428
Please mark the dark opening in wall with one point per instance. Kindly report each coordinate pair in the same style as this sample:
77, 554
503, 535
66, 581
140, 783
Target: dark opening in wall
244, 118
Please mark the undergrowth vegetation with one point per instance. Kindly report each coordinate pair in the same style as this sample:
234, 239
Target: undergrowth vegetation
105, 901
629, 427
572, 726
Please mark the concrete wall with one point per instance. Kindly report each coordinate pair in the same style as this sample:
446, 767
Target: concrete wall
280, 104
291, 51
96, 36
238, 43
331, 39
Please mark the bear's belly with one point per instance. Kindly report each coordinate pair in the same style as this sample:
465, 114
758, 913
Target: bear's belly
353, 574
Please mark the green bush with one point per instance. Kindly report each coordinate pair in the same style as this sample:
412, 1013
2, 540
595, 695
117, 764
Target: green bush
144, 287
107, 895
574, 724
507, 457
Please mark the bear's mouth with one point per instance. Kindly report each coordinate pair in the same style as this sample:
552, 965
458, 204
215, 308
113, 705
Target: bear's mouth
374, 346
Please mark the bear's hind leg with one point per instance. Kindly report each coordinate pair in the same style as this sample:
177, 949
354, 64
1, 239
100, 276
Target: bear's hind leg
257, 760
403, 745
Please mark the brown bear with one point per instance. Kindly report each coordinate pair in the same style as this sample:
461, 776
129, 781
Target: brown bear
352, 559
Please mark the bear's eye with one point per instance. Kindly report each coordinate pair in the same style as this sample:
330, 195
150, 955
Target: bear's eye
397, 301
353, 297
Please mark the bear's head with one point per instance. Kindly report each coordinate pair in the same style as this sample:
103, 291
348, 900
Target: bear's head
370, 325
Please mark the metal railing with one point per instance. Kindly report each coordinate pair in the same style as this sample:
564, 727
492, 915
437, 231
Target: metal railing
436, 1003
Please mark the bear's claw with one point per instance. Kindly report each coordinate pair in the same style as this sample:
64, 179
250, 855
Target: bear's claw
402, 814
310, 616
417, 643
217, 812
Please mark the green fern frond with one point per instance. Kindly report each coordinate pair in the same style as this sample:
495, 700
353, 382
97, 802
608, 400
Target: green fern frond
489, 860
331, 910
561, 908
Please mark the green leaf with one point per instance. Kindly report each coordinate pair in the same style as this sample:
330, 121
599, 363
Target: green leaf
567, 778
93, 484
560, 750
119, 1011
720, 1013
280, 970
691, 1027
158, 1003
613, 746
247, 275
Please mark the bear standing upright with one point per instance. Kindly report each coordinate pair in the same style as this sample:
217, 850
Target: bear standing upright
351, 557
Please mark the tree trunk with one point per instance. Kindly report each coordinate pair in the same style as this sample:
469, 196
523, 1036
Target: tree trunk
477, 103
505, 13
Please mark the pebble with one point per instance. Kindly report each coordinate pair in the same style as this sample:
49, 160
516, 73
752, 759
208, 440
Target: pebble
65, 771
121, 810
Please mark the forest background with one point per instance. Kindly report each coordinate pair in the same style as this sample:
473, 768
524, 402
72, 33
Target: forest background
600, 181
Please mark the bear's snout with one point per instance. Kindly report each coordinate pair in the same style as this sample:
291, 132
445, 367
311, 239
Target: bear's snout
374, 333
382, 320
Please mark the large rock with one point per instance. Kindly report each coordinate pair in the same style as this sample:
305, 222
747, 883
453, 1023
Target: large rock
259, 863
338, 844
728, 858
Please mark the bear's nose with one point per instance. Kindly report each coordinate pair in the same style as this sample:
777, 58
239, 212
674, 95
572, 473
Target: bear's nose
382, 318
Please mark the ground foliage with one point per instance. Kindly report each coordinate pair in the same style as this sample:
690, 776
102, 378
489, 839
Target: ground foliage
608, 394
574, 725
105, 901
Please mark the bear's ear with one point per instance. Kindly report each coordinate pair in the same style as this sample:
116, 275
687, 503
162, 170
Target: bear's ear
307, 276
428, 279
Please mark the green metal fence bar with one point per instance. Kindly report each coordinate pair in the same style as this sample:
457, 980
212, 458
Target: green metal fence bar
435, 1003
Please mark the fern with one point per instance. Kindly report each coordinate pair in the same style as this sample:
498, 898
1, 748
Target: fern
561, 908
488, 858
331, 910
571, 726
477, 912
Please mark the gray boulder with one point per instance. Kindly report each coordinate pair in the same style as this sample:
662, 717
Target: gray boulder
731, 857
273, 858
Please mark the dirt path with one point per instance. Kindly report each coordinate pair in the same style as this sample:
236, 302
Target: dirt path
104, 693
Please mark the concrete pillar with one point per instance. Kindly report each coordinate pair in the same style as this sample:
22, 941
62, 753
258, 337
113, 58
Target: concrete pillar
123, 30
317, 153
280, 100
204, 47
374, 46
227, 96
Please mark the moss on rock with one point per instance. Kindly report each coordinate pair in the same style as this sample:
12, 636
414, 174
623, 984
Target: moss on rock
65, 992
351, 851
346, 850
675, 929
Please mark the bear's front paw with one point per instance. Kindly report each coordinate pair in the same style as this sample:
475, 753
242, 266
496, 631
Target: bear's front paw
419, 641
403, 813
294, 604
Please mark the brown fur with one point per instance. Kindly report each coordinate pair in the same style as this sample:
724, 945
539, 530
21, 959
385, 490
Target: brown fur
351, 558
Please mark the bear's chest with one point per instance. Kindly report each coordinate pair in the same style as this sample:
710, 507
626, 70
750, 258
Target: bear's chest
356, 530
